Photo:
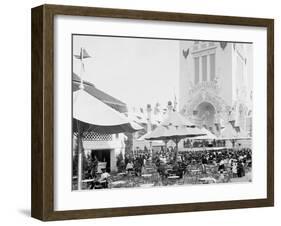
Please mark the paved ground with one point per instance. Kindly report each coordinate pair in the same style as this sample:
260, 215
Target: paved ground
246, 178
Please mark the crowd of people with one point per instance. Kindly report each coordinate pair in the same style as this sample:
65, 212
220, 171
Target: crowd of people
132, 163
233, 160
203, 143
97, 180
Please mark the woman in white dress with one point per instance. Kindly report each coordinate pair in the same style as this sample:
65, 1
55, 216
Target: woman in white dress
234, 168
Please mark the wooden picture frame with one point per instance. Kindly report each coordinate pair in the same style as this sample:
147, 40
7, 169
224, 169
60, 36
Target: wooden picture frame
42, 203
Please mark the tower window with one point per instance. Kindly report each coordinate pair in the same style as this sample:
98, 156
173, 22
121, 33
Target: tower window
212, 66
196, 70
204, 68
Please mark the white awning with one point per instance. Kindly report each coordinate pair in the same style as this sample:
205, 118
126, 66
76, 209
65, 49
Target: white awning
90, 110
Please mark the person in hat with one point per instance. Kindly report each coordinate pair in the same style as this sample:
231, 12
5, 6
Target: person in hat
129, 167
104, 178
234, 168
221, 177
221, 165
204, 163
94, 167
240, 169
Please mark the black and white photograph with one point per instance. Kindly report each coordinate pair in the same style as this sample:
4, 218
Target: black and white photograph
156, 112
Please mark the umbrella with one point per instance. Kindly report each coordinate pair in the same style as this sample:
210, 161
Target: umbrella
203, 149
173, 132
176, 119
208, 136
91, 114
228, 133
154, 142
175, 127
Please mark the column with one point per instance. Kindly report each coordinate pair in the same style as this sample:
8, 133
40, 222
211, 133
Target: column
113, 166
200, 69
208, 68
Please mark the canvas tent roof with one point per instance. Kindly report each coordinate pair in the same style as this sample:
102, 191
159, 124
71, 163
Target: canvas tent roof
209, 135
99, 94
175, 126
99, 116
230, 133
172, 132
176, 119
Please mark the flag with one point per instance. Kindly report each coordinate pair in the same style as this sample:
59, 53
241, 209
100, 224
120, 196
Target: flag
83, 54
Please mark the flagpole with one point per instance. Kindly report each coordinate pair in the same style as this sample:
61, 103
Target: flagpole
83, 54
80, 157
80, 148
81, 69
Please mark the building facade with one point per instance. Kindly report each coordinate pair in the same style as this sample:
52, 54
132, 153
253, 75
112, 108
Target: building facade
216, 84
105, 147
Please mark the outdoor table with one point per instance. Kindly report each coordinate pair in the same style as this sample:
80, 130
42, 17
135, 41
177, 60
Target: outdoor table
195, 171
195, 174
100, 184
118, 182
211, 169
88, 180
146, 185
146, 175
208, 179
149, 170
121, 174
173, 177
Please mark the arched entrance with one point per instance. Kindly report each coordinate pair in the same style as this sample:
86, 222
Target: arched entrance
205, 113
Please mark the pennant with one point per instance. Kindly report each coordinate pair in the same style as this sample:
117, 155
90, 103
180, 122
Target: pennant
83, 54
185, 53
223, 45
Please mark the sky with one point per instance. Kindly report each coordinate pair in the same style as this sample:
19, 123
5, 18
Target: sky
134, 70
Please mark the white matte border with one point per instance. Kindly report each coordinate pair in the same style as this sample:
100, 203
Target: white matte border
65, 199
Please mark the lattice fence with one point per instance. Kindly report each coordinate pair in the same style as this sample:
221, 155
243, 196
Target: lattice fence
92, 136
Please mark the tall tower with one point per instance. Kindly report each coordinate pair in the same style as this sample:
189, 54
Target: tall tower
215, 82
